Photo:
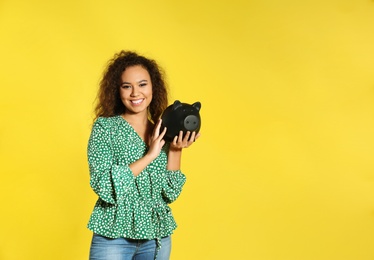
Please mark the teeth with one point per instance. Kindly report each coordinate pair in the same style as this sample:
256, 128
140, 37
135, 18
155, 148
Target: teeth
137, 101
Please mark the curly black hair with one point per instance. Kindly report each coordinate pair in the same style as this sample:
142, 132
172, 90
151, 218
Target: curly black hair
108, 99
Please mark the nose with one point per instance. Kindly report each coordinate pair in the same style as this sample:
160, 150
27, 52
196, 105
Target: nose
134, 92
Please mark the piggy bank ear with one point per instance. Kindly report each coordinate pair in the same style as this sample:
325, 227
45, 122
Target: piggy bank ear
197, 105
176, 104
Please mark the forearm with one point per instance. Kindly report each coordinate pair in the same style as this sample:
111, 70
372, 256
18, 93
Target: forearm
138, 166
174, 159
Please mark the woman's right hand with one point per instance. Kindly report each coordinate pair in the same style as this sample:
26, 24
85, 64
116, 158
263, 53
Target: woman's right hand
156, 141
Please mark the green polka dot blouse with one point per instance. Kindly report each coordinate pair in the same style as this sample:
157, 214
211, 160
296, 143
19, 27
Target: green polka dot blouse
129, 206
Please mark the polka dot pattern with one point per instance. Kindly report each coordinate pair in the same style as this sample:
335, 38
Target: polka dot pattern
129, 206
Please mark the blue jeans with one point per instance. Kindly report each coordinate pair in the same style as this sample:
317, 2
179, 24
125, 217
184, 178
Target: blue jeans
103, 248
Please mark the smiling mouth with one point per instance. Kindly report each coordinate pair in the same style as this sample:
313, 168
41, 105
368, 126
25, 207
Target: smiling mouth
137, 102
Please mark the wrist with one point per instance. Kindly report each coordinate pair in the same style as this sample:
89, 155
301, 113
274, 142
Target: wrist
149, 157
174, 159
175, 150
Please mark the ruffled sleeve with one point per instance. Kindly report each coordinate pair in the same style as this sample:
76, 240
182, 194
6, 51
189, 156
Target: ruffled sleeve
111, 182
172, 185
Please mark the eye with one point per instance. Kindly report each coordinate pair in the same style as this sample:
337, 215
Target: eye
125, 86
143, 84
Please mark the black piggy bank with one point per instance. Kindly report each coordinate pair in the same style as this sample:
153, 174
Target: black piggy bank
180, 117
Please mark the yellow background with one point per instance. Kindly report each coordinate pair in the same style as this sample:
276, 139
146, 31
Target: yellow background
284, 167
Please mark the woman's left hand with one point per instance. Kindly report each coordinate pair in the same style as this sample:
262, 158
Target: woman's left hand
179, 142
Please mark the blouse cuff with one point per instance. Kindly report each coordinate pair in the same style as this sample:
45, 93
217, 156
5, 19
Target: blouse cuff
173, 186
123, 181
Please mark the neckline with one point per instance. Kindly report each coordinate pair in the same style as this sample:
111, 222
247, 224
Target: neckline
133, 130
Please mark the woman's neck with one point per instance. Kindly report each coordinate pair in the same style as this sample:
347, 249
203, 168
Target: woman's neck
136, 119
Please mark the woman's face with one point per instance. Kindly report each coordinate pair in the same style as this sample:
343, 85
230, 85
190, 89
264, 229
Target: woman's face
136, 90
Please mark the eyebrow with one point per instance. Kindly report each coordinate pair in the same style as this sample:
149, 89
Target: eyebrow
141, 81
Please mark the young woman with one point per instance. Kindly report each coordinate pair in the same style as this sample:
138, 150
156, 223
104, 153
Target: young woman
132, 170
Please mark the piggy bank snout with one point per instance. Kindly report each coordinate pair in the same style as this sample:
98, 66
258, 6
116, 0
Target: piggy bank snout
191, 123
